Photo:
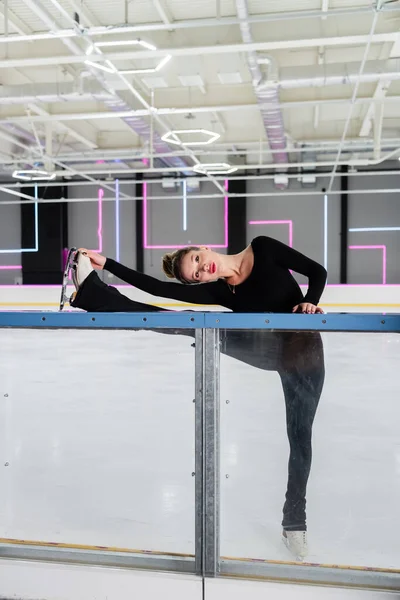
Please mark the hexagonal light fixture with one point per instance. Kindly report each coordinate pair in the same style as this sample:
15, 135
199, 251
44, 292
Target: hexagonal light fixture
214, 169
172, 137
116, 43
33, 175
158, 67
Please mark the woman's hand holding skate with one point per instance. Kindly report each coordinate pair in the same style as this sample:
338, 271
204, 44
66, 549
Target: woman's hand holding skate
97, 260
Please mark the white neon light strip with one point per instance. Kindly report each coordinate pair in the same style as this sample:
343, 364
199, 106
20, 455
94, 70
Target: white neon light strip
326, 231
125, 43
109, 69
184, 185
375, 229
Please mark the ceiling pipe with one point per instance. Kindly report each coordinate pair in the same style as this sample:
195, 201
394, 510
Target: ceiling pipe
349, 40
50, 92
178, 180
249, 148
245, 167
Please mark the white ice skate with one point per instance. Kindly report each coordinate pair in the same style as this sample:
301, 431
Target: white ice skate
296, 542
81, 268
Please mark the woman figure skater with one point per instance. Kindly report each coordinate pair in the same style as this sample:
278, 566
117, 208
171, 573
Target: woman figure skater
258, 279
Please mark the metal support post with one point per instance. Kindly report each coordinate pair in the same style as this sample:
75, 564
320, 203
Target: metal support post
207, 452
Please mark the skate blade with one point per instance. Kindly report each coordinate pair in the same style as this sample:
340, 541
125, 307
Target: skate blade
68, 266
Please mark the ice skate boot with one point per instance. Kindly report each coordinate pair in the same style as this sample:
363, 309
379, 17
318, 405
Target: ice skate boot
81, 268
296, 542
68, 266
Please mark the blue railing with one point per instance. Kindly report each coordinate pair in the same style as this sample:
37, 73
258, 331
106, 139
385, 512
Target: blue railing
203, 320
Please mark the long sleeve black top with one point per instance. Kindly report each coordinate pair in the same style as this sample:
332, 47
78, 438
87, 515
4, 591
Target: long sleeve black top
270, 286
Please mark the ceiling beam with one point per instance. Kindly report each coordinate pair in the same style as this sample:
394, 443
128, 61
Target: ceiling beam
380, 92
15, 22
184, 110
163, 12
346, 40
61, 127
89, 18
112, 171
224, 21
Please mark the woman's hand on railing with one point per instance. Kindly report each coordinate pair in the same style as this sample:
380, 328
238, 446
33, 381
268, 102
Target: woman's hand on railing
307, 307
97, 260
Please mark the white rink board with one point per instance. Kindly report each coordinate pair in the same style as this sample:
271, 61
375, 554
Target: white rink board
219, 589
336, 298
45, 581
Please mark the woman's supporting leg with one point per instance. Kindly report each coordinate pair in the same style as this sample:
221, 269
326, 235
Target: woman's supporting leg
302, 379
299, 360
96, 296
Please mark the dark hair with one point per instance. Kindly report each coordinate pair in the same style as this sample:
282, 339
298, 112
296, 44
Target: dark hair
172, 263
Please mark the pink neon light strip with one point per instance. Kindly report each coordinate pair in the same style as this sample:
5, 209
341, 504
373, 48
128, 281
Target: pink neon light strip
11, 268
148, 246
384, 261
100, 221
99, 225
290, 223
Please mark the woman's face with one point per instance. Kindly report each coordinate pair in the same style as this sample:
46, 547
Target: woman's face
199, 266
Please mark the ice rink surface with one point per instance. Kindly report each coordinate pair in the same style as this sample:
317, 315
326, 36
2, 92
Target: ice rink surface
97, 446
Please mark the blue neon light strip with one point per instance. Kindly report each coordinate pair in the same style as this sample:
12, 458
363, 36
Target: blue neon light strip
375, 229
184, 185
36, 248
117, 230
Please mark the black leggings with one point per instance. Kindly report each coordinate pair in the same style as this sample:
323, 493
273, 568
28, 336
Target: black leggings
298, 357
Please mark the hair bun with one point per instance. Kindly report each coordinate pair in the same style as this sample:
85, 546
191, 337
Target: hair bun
168, 265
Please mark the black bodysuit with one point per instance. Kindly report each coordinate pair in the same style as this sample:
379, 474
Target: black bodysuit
297, 356
270, 286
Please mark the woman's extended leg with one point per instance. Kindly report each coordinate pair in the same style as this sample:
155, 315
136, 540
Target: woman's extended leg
96, 296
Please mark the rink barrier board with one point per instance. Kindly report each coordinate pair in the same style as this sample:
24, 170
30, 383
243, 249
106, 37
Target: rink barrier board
207, 488
349, 322
366, 578
227, 559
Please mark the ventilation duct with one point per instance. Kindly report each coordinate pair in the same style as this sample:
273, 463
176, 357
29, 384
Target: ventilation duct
271, 116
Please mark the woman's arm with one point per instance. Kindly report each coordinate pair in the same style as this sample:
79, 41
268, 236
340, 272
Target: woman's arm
295, 261
206, 293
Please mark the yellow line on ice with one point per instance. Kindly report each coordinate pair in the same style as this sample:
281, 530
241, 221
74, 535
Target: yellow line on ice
64, 546
114, 549
309, 564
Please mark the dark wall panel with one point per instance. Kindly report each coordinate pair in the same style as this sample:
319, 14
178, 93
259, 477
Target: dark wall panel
46, 265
